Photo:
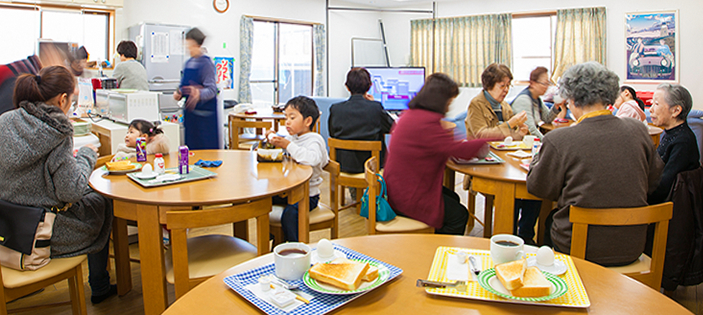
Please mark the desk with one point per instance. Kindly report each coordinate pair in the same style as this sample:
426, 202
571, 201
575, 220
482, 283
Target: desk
505, 181
609, 292
240, 179
554, 125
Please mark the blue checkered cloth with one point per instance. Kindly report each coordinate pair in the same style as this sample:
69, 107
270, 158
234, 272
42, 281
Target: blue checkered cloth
204, 163
320, 304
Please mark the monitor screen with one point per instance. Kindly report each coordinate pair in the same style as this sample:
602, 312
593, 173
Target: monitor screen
395, 87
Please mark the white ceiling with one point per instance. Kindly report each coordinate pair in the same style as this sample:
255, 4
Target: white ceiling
394, 3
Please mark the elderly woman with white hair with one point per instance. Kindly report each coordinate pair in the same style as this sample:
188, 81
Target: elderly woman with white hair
601, 162
678, 147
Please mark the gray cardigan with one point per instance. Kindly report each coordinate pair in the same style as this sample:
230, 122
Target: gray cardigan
602, 162
39, 169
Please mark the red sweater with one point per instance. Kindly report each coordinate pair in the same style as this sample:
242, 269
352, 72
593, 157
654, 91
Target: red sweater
414, 170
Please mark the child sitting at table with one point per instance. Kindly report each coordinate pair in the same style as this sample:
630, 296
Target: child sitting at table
156, 140
305, 147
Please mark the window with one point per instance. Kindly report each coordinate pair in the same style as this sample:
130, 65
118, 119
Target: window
533, 38
84, 27
282, 61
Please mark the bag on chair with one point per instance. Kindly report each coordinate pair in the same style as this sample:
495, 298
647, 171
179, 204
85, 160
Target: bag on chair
384, 212
25, 236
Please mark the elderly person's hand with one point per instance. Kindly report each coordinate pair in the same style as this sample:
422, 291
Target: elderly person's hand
517, 120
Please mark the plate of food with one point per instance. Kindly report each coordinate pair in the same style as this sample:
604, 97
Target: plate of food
516, 281
121, 167
346, 276
513, 145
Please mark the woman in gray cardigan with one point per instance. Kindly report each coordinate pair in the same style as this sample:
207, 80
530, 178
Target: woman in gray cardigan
39, 170
529, 101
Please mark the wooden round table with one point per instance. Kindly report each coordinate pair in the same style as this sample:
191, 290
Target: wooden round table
240, 179
609, 292
502, 183
655, 132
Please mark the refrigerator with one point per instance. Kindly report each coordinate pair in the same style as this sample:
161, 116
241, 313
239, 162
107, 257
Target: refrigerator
163, 54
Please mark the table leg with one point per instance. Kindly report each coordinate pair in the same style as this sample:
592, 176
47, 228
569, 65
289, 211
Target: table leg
543, 213
120, 244
241, 230
300, 195
449, 178
488, 216
504, 208
262, 233
152, 260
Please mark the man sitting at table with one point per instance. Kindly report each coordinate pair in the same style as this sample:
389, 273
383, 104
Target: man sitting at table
600, 162
305, 147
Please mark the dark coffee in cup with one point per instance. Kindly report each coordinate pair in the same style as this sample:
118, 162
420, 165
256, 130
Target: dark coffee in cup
507, 243
293, 251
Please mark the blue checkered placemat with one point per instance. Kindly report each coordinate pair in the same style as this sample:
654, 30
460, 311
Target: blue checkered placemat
321, 304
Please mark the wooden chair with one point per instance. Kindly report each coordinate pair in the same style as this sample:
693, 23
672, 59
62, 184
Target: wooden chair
398, 225
190, 261
102, 160
322, 217
646, 270
242, 141
351, 179
16, 284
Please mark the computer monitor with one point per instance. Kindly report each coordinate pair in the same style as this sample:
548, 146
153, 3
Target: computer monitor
395, 87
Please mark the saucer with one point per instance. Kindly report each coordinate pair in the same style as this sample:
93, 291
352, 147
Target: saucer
558, 268
142, 175
316, 259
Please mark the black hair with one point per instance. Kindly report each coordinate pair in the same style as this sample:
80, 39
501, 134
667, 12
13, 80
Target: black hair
633, 94
434, 96
79, 54
196, 35
306, 106
146, 127
48, 83
358, 80
127, 48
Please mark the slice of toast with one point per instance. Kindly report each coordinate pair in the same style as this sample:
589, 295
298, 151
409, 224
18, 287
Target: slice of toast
511, 274
344, 275
535, 284
371, 274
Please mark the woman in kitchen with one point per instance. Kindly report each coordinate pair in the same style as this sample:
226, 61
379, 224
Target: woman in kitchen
199, 89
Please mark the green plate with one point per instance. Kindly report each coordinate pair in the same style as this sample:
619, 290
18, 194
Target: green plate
383, 274
138, 166
488, 280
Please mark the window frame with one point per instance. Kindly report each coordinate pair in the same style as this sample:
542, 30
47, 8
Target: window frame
551, 37
276, 55
110, 27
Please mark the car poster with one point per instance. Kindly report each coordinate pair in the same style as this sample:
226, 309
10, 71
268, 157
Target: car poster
652, 46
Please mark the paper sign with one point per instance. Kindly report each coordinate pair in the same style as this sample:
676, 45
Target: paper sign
159, 47
224, 67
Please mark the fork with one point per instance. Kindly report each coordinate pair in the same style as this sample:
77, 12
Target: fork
457, 285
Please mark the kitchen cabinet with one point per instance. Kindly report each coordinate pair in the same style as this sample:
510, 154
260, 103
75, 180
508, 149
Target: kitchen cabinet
111, 3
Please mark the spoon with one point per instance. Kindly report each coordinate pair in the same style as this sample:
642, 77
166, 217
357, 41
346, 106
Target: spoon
285, 284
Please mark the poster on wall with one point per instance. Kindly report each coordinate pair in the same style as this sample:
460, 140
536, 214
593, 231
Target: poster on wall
652, 46
224, 66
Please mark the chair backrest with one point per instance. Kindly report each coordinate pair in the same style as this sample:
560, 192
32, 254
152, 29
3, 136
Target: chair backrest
102, 160
370, 170
332, 168
659, 214
355, 145
237, 125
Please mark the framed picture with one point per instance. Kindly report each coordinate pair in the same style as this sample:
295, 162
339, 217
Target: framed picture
652, 47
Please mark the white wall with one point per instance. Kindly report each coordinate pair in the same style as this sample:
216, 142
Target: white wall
690, 24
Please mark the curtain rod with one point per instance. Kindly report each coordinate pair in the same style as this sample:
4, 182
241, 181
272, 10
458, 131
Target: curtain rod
270, 19
381, 10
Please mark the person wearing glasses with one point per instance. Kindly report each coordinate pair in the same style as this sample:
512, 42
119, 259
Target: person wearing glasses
489, 116
529, 101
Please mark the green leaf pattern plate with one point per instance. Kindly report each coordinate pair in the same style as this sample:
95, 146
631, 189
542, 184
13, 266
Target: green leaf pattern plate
488, 280
383, 275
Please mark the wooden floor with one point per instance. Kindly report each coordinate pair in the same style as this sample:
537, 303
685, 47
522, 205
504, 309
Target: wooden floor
350, 225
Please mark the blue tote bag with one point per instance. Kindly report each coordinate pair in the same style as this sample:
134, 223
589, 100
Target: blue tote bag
384, 212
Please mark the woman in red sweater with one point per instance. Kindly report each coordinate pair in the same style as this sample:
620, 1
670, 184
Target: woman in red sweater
417, 154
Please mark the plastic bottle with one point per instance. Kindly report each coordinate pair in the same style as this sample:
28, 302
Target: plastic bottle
159, 164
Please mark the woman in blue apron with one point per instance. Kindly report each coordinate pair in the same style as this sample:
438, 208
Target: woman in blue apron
199, 87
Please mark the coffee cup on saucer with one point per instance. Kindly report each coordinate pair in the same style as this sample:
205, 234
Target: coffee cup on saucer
291, 260
506, 248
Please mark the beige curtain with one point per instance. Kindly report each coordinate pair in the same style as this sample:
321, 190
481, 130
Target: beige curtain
461, 47
580, 37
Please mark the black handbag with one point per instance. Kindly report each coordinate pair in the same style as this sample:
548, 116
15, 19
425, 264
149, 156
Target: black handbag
25, 236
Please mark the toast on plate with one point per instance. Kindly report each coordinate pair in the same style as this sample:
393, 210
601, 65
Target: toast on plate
119, 166
371, 273
534, 284
511, 274
344, 275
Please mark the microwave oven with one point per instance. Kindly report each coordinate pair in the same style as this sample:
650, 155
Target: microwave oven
127, 106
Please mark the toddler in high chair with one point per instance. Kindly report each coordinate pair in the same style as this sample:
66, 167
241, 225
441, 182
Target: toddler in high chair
156, 140
305, 147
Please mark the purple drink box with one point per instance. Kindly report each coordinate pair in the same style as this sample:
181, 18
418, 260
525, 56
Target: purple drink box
141, 149
183, 160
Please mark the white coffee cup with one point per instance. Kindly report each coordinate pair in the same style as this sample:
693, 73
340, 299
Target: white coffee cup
291, 260
529, 141
506, 248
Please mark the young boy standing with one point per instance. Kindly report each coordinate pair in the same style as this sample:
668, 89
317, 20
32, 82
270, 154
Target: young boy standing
305, 147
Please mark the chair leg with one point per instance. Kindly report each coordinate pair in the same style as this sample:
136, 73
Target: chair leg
358, 201
277, 235
488, 216
77, 292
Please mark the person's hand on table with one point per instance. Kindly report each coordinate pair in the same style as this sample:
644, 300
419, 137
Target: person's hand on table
279, 141
523, 130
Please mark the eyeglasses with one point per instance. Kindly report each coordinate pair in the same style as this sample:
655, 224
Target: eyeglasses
544, 83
